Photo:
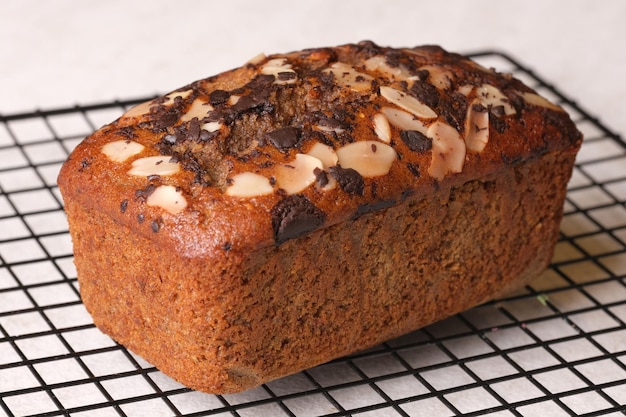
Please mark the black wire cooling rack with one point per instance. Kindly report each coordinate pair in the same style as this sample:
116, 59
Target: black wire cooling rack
555, 348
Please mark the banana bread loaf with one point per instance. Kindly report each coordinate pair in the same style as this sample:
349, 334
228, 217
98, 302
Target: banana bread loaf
312, 204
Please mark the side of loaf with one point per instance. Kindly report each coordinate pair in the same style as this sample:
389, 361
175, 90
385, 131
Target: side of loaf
309, 205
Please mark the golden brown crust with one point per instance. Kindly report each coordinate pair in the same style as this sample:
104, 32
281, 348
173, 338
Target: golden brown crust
273, 209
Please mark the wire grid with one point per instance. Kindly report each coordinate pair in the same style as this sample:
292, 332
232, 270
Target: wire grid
555, 348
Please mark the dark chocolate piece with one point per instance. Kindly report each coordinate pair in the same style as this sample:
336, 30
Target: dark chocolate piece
284, 138
349, 179
416, 141
295, 216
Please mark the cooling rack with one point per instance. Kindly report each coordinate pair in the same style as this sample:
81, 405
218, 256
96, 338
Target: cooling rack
555, 348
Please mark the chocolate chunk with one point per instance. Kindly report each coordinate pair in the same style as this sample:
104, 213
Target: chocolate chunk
294, 216
145, 193
332, 123
123, 206
422, 74
218, 97
349, 179
193, 131
261, 82
416, 141
478, 107
498, 111
253, 103
155, 226
284, 138
426, 92
246, 103
167, 119
206, 136
169, 139
286, 76
321, 177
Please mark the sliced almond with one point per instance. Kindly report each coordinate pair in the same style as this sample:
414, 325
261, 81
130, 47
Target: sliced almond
381, 127
154, 165
298, 174
439, 76
167, 197
347, 76
476, 127
465, 89
211, 126
172, 96
369, 158
403, 120
491, 96
335, 129
537, 100
324, 153
276, 67
407, 102
197, 109
379, 63
448, 151
257, 59
249, 184
328, 157
121, 150
139, 109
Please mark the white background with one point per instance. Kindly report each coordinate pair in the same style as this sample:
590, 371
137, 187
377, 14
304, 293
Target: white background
60, 53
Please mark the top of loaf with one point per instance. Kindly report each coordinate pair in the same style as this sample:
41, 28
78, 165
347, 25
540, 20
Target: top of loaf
290, 143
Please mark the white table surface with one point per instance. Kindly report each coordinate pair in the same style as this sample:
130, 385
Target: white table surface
64, 52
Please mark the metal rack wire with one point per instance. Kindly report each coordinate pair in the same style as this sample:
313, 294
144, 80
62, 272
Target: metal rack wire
555, 348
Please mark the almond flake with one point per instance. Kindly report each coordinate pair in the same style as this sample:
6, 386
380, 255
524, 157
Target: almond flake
277, 66
403, 120
381, 127
439, 76
379, 63
172, 96
211, 126
197, 109
347, 76
154, 165
476, 127
297, 174
167, 197
537, 100
257, 59
491, 96
139, 109
370, 158
121, 150
324, 153
407, 102
448, 151
249, 184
